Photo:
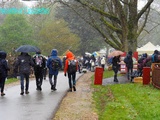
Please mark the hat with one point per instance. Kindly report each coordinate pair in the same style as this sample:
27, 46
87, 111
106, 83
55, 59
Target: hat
38, 52
156, 52
130, 52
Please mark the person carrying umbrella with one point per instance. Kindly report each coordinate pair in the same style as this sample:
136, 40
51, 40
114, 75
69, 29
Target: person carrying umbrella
23, 66
116, 66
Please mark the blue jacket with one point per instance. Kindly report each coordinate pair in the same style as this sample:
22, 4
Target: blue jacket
49, 62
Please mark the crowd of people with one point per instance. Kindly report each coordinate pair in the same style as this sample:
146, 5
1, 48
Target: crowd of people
144, 60
41, 66
89, 62
70, 64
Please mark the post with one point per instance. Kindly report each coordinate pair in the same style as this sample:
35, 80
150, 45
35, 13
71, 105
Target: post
146, 75
98, 76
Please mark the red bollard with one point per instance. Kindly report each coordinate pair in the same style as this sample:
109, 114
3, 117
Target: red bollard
98, 76
146, 75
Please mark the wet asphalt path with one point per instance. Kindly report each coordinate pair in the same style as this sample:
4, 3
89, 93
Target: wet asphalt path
36, 105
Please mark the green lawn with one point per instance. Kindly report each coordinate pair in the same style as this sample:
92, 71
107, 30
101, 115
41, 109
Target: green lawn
132, 101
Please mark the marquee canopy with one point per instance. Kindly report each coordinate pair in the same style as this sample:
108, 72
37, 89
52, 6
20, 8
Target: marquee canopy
148, 48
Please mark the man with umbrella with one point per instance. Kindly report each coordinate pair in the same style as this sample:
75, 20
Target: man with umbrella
23, 66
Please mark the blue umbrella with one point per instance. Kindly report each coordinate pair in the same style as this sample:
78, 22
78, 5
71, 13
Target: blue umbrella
95, 54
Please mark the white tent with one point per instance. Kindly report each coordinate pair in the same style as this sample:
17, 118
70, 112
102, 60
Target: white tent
148, 48
158, 47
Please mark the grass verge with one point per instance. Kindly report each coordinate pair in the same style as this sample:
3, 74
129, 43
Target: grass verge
131, 101
11, 80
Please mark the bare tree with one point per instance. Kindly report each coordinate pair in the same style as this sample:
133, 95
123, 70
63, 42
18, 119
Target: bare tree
116, 20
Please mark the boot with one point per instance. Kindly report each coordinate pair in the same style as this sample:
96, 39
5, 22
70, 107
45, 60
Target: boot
52, 87
74, 88
70, 90
22, 92
40, 88
2, 94
115, 78
26, 92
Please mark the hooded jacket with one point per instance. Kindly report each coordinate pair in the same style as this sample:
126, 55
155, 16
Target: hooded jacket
3, 64
129, 61
69, 56
49, 62
23, 63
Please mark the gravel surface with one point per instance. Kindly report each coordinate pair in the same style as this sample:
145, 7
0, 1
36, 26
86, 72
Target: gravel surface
78, 105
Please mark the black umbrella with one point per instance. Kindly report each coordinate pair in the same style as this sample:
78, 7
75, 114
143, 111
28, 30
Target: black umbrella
27, 48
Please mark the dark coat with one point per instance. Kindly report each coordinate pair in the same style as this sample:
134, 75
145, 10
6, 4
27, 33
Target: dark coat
129, 61
3, 64
23, 64
40, 66
49, 62
115, 63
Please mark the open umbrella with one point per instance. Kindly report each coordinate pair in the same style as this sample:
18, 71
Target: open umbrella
95, 54
27, 48
87, 53
115, 53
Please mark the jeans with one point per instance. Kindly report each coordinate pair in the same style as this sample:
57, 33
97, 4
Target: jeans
72, 78
55, 80
22, 77
129, 73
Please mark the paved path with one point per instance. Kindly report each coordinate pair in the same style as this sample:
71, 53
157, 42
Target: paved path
36, 105
122, 79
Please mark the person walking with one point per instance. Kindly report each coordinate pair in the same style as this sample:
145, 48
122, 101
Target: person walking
54, 63
103, 62
23, 66
40, 64
115, 66
71, 67
4, 68
154, 59
129, 64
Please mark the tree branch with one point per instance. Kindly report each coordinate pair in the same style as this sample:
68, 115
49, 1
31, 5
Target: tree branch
144, 23
144, 9
95, 9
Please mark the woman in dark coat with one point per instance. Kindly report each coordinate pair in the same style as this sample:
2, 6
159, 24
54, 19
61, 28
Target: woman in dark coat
115, 66
3, 71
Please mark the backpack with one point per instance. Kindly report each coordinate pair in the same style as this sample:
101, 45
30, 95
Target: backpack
55, 64
126, 60
154, 58
39, 61
72, 66
1, 65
